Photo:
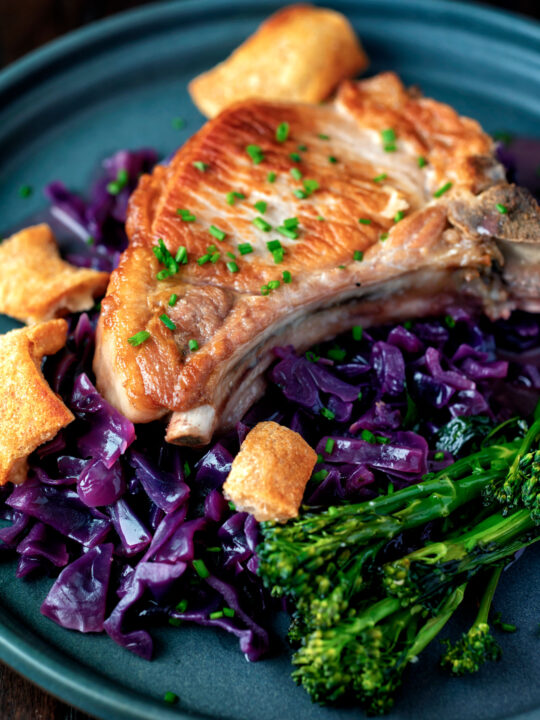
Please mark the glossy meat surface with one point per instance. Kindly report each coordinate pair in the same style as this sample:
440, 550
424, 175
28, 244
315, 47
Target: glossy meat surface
374, 221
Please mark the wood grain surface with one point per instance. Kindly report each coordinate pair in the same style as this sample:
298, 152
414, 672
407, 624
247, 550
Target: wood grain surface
24, 25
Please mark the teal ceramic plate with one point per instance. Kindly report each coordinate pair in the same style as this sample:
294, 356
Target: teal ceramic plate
118, 84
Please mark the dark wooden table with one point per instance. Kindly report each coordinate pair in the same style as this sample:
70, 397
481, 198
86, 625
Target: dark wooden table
23, 26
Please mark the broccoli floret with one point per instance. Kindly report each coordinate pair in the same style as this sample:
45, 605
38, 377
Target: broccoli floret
519, 486
476, 646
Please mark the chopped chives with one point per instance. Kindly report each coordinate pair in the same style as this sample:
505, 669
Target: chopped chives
261, 224
300, 194
328, 414
232, 266
178, 123
217, 233
193, 345
310, 186
255, 153
358, 255
201, 166
232, 196
228, 612
114, 187
449, 321
273, 284
186, 215
213, 549
271, 177
175, 622
200, 568
282, 132
320, 459
286, 276
182, 605
173, 300
216, 615
163, 274
380, 178
139, 338
203, 259
295, 172
329, 446
408, 324
422, 162
442, 190
322, 136
438, 456
390, 147
211, 248
364, 221
264, 290
302, 148
382, 440
332, 159
368, 436
273, 245
383, 236
187, 469
295, 157
319, 475
320, 217
399, 216
359, 396
337, 354
166, 320
310, 355
388, 135
170, 698
245, 249
260, 206
214, 257
291, 233
357, 332
290, 222
181, 255
501, 208
231, 255
278, 255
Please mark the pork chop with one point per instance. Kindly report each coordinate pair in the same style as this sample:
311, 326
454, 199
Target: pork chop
291, 223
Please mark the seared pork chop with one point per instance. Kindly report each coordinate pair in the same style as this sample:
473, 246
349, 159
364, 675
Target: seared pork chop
289, 224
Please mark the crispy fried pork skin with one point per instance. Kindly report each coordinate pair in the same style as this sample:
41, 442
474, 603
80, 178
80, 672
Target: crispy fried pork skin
381, 235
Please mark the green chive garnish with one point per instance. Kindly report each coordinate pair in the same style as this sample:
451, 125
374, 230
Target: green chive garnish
380, 178
422, 162
328, 414
302, 148
389, 140
310, 186
278, 255
286, 277
271, 177
383, 236
232, 196
364, 221
203, 259
217, 233
114, 187
232, 267
445, 188
329, 446
260, 206
163, 274
201, 166
320, 217
178, 123
170, 698
291, 233
273, 245
319, 476
166, 320
322, 136
368, 436
300, 194
193, 345
255, 153
501, 208
261, 223
282, 132
182, 605
181, 255
214, 257
139, 338
399, 216
291, 222
216, 615
295, 172
26, 190
449, 321
245, 249
358, 255
231, 255
357, 332
438, 456
332, 159
295, 157
186, 215
273, 284
228, 612
200, 568
264, 290
173, 300
337, 354
187, 469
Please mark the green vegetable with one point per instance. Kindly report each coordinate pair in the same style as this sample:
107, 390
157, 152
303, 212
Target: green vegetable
282, 132
139, 338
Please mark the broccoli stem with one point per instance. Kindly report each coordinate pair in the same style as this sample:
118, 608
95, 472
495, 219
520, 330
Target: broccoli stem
487, 598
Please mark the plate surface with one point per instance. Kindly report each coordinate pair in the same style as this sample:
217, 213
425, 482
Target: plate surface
118, 84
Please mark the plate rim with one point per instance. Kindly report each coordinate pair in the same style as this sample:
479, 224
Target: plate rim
84, 689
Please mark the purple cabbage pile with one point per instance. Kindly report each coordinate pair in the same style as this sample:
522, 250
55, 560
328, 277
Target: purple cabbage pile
136, 532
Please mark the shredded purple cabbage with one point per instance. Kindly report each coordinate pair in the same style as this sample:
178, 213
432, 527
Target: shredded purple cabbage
137, 531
